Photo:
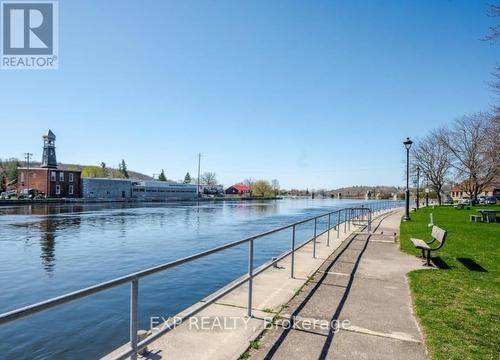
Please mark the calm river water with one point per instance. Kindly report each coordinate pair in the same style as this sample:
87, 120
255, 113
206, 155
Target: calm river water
48, 250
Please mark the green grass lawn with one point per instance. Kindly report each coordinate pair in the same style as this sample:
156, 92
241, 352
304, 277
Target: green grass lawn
458, 306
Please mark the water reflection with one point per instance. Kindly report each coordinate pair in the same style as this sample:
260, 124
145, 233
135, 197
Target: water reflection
48, 244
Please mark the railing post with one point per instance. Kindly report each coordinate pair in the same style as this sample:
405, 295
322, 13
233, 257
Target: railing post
250, 279
134, 298
314, 240
292, 266
338, 224
369, 222
345, 220
329, 225
350, 218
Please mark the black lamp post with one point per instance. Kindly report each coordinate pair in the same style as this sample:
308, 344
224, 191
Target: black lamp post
407, 145
418, 186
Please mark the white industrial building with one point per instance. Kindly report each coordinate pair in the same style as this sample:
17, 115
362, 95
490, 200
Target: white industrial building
149, 190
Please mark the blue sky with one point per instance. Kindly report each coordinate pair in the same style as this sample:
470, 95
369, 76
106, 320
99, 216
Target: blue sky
316, 94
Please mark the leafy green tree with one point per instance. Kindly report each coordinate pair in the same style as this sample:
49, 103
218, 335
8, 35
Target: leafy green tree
187, 178
162, 176
262, 188
8, 168
91, 171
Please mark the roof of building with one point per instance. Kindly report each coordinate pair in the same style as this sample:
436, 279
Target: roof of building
38, 168
162, 184
106, 179
50, 135
241, 187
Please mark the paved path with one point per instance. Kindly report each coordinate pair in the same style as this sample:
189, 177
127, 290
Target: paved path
201, 338
362, 286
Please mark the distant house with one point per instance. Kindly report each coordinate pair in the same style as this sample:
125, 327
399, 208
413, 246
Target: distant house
459, 191
238, 189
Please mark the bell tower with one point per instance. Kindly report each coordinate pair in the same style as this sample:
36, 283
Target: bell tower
49, 151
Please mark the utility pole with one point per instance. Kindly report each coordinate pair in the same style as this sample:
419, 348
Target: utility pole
28, 156
199, 162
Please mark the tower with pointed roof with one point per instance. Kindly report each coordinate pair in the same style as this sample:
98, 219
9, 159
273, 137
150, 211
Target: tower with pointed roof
49, 151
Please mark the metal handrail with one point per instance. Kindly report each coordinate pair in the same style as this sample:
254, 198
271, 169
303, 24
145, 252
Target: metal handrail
349, 215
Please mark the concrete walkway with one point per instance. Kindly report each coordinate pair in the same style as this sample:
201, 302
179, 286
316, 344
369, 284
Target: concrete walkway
362, 287
202, 337
357, 277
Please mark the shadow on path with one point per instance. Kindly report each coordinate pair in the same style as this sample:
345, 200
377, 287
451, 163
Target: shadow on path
318, 283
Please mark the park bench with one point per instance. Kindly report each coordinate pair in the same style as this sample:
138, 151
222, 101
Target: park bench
438, 235
475, 218
461, 207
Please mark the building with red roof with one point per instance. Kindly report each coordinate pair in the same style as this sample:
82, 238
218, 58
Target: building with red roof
238, 189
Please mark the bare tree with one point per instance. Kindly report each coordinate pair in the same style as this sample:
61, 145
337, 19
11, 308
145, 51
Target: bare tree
474, 151
209, 178
276, 186
492, 37
495, 85
494, 12
434, 160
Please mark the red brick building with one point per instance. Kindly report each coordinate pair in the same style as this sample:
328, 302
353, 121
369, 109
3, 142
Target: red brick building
51, 182
48, 179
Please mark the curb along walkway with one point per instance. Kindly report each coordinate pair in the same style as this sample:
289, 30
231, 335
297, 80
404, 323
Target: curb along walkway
363, 287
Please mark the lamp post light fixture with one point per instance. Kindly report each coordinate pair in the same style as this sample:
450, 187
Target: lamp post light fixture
407, 145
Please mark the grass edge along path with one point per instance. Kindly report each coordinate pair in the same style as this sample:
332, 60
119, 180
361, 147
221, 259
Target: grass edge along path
457, 305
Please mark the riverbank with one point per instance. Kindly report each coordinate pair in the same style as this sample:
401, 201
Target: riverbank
14, 202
